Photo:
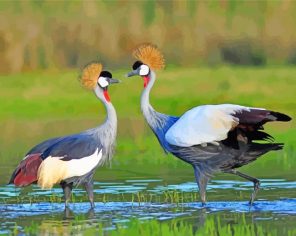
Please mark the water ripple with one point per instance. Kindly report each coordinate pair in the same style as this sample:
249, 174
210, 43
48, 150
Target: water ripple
155, 186
154, 210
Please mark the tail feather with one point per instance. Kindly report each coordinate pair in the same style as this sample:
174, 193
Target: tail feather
280, 116
266, 146
259, 135
26, 172
258, 149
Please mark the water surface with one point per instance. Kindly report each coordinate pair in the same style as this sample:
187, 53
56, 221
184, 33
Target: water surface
149, 199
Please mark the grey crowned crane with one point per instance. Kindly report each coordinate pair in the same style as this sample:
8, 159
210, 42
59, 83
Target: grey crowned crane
211, 138
72, 160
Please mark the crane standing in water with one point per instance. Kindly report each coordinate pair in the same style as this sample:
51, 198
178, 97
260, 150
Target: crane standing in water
212, 138
72, 160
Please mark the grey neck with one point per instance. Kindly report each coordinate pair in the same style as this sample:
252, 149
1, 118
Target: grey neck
146, 108
158, 122
111, 118
107, 131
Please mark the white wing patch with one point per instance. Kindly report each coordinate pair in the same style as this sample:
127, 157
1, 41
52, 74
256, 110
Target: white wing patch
79, 167
53, 170
203, 124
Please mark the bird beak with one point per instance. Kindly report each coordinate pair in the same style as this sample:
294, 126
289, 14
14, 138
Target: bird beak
132, 73
113, 81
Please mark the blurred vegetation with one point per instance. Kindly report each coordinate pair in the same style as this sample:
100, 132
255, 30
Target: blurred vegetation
211, 225
39, 105
62, 34
44, 39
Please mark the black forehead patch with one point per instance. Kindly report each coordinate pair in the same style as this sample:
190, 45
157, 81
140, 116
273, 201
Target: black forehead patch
137, 64
106, 74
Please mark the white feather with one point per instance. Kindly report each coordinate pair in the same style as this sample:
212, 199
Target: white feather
53, 170
203, 124
80, 167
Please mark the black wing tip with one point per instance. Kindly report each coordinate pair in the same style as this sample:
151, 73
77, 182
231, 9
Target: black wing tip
278, 146
11, 181
267, 146
281, 116
15, 172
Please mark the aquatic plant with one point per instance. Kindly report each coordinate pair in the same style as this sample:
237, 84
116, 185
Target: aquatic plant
135, 227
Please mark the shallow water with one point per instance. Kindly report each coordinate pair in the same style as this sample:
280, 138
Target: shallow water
276, 202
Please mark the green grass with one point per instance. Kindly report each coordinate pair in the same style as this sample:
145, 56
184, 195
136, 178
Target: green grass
212, 226
43, 104
58, 95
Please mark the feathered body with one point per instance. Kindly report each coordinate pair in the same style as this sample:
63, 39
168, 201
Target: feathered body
61, 151
211, 138
72, 160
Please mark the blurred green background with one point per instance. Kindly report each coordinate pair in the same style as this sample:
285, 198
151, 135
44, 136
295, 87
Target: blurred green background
226, 51
67, 34
223, 51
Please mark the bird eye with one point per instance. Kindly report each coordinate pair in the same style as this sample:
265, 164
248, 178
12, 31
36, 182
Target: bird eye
144, 70
102, 82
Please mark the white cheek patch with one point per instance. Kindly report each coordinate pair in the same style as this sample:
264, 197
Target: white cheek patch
144, 70
103, 82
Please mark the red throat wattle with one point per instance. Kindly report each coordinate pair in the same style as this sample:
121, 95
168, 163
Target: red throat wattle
106, 95
146, 81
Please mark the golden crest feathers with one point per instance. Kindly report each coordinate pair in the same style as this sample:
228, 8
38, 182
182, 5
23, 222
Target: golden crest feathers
149, 55
90, 74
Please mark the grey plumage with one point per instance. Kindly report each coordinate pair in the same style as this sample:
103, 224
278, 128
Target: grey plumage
41, 147
72, 148
158, 122
106, 133
85, 143
236, 150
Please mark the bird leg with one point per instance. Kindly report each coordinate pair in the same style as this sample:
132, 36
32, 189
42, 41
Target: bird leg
68, 214
202, 182
90, 191
254, 180
67, 189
